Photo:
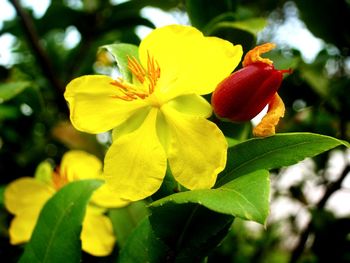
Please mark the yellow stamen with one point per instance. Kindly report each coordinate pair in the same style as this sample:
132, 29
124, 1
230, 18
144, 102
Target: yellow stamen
148, 78
253, 55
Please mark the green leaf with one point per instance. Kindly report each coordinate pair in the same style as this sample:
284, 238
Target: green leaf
190, 231
252, 25
175, 233
56, 237
11, 89
246, 197
274, 152
126, 219
143, 246
201, 12
242, 32
120, 53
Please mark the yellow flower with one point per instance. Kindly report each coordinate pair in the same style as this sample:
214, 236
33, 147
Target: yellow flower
160, 117
26, 196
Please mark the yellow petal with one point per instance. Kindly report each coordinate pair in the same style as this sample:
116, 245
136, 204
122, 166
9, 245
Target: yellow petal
135, 164
267, 125
131, 124
105, 197
189, 62
163, 131
93, 107
197, 151
26, 192
78, 165
22, 226
97, 234
191, 104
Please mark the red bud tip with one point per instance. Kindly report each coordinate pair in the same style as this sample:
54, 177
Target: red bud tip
244, 94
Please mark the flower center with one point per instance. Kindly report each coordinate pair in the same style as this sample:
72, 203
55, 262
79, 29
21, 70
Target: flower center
148, 79
59, 178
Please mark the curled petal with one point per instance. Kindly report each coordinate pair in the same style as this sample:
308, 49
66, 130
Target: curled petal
253, 55
189, 62
97, 234
94, 107
135, 164
267, 125
197, 150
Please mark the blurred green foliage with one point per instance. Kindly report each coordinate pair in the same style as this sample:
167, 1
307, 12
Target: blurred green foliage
34, 117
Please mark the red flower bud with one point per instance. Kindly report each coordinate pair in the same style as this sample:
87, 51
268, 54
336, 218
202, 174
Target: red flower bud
245, 93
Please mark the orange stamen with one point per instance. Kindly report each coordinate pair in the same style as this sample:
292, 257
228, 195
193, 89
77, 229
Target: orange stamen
153, 72
253, 55
128, 91
59, 179
131, 92
136, 69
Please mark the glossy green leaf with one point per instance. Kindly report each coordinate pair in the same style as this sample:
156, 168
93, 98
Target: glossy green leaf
126, 219
143, 246
175, 233
120, 53
11, 89
56, 237
274, 152
190, 231
246, 197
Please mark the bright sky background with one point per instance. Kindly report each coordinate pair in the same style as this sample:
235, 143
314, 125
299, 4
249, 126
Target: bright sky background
292, 33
